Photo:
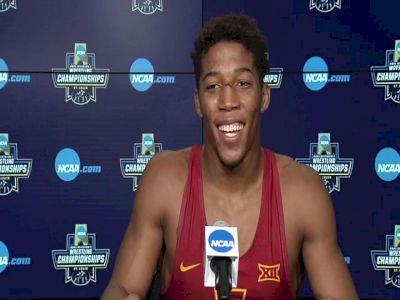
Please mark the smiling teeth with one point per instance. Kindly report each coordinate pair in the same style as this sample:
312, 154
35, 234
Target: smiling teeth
231, 127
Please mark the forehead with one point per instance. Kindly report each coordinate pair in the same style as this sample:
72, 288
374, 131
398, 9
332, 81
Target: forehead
226, 55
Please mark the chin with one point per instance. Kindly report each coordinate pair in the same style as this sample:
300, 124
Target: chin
231, 161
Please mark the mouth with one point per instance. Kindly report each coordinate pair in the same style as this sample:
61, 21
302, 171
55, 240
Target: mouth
231, 130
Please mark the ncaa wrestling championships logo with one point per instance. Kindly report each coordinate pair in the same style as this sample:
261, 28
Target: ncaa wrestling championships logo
274, 78
325, 159
12, 168
80, 78
325, 6
388, 76
388, 260
7, 4
147, 7
142, 153
81, 258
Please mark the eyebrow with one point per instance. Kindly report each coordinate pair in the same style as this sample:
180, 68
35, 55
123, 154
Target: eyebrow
236, 71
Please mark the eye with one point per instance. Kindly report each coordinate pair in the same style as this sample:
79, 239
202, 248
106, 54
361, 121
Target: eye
243, 83
212, 87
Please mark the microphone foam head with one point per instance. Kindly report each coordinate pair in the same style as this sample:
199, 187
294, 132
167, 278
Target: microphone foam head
221, 223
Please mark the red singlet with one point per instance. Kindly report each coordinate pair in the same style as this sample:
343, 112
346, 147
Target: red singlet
263, 269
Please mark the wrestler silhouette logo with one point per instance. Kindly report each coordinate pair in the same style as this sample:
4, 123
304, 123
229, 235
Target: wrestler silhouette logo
7, 4
325, 6
147, 7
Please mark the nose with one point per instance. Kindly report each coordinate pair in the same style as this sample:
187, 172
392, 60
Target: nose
228, 99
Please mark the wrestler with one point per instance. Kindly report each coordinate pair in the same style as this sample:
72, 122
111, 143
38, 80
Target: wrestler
285, 218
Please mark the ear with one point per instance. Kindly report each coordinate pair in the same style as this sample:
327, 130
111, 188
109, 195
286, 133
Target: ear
265, 97
197, 103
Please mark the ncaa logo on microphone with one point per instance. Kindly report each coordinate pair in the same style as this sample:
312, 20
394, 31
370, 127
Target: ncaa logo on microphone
221, 241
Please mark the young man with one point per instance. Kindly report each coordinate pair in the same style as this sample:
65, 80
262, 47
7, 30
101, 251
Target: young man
282, 210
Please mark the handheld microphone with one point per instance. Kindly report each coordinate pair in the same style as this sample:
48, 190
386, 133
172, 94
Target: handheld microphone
222, 267
221, 259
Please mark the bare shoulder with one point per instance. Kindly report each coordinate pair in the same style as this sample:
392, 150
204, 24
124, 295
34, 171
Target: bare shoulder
164, 178
303, 192
298, 177
167, 170
169, 162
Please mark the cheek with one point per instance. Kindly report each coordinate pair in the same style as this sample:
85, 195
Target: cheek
254, 113
207, 121
208, 106
254, 109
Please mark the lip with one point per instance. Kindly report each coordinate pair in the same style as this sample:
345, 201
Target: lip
229, 121
230, 137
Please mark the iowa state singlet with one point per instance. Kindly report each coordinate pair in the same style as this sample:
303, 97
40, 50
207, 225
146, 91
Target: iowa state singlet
263, 269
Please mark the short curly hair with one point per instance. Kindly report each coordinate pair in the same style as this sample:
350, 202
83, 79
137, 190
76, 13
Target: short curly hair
236, 28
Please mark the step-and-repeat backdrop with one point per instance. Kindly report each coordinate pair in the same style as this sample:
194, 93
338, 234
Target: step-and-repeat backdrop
91, 90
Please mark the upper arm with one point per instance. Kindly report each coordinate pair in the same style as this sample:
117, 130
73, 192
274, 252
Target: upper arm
323, 259
142, 242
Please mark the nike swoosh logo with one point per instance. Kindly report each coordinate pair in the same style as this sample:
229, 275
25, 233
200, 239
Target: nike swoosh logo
187, 268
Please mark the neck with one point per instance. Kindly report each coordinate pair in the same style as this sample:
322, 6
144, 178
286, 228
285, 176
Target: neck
233, 179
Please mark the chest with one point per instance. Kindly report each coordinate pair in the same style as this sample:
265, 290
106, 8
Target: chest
262, 258
241, 211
